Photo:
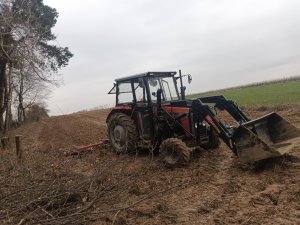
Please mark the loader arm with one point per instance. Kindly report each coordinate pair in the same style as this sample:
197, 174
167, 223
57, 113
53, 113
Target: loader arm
202, 112
251, 140
230, 106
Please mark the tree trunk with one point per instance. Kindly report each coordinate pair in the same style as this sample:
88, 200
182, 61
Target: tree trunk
21, 108
21, 113
8, 97
24, 114
2, 91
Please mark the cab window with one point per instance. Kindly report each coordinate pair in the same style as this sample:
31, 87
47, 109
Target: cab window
125, 94
140, 91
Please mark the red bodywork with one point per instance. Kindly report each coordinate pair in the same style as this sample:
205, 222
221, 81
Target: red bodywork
184, 120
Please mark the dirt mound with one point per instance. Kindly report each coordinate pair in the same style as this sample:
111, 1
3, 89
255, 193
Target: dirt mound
63, 132
100, 187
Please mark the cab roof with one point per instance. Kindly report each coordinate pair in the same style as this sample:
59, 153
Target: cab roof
147, 74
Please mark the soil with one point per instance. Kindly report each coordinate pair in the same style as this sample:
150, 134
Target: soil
215, 188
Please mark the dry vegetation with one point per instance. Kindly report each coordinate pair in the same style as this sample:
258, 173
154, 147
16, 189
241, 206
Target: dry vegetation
100, 187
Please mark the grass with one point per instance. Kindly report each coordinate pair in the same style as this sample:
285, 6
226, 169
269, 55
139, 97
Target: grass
284, 92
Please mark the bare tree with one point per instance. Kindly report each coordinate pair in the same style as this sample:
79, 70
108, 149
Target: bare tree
37, 111
27, 91
25, 37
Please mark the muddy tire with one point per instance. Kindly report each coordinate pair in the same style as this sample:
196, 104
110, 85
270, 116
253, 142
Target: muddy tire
174, 153
122, 133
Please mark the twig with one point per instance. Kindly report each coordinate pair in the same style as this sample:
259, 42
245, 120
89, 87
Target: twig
21, 222
49, 214
150, 196
21, 190
246, 221
114, 210
115, 217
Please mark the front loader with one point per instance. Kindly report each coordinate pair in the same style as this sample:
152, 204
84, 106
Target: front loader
151, 113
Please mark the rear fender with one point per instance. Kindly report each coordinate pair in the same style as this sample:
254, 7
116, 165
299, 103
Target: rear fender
120, 109
136, 116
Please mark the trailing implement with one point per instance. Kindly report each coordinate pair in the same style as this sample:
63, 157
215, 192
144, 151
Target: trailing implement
151, 112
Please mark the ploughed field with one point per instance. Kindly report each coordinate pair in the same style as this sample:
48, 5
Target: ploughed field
52, 186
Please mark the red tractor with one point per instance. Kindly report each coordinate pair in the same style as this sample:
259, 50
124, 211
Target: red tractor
151, 113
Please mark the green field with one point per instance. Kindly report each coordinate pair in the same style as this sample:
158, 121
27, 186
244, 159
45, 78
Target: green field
268, 94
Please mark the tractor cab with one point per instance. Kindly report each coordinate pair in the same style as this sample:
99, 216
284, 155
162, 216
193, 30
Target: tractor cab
143, 88
142, 97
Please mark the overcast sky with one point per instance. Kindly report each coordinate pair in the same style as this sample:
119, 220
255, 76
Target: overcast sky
221, 43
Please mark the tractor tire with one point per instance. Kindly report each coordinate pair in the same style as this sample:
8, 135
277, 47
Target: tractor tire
213, 141
174, 153
122, 133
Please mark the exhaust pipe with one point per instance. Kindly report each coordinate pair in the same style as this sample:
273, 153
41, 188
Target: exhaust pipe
266, 137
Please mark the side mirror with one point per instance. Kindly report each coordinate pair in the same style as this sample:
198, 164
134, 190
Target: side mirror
190, 78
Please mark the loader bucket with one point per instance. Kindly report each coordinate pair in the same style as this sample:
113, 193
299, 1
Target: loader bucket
265, 137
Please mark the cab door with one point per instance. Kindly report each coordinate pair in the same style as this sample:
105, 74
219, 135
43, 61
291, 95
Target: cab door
142, 111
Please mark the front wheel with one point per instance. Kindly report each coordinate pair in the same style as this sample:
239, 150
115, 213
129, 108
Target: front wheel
173, 152
122, 133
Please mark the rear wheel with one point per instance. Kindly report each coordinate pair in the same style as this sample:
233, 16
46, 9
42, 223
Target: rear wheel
122, 133
174, 153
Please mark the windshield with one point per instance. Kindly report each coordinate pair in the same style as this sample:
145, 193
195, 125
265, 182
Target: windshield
166, 84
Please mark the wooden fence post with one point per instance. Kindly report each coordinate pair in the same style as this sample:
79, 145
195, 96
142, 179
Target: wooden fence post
4, 142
